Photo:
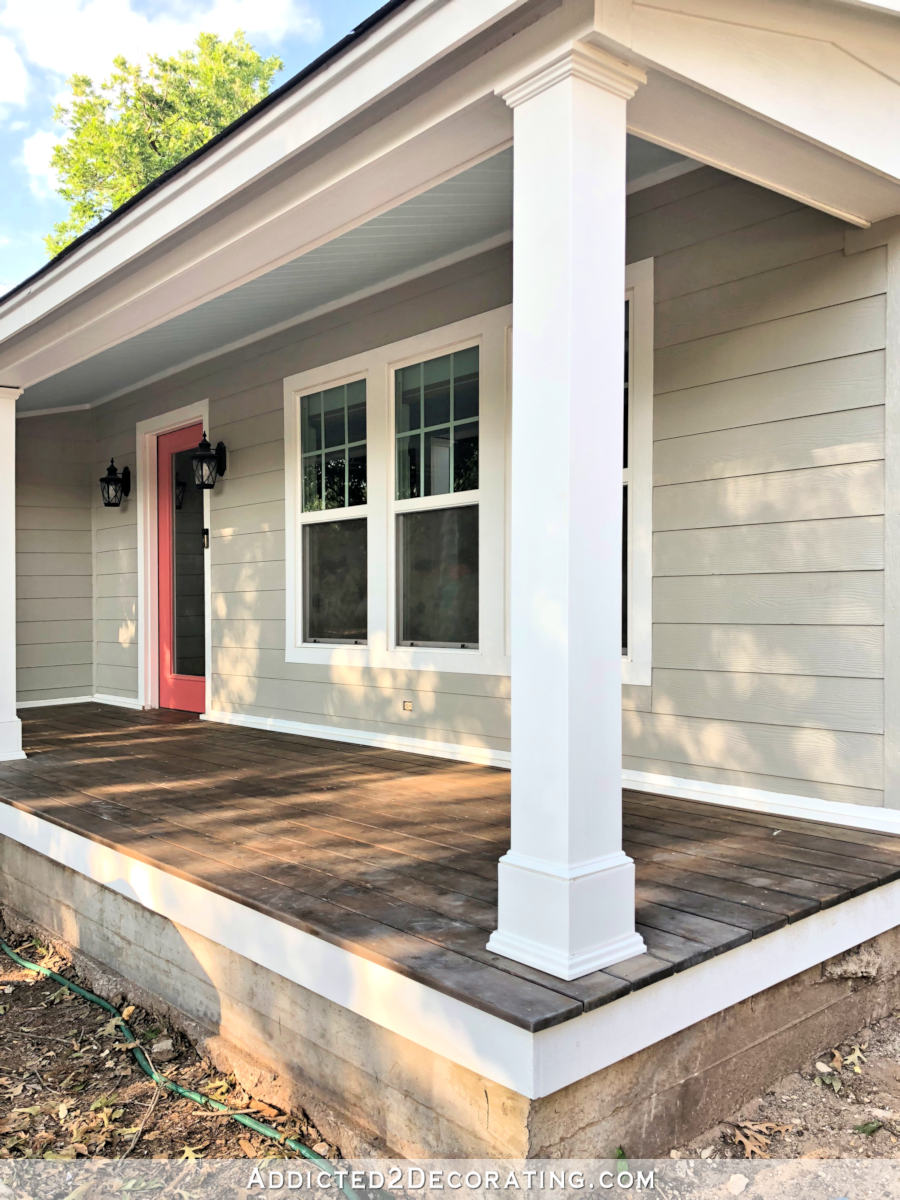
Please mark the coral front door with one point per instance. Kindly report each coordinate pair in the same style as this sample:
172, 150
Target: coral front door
182, 599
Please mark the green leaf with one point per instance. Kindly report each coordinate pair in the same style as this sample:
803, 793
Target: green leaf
868, 1127
142, 119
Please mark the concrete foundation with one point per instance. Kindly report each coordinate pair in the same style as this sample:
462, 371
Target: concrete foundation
373, 1092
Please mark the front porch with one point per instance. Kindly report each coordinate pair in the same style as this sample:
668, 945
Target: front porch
393, 857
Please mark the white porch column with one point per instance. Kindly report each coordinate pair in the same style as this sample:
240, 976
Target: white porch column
566, 887
10, 725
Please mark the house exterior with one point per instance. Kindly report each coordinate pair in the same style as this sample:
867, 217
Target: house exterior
554, 348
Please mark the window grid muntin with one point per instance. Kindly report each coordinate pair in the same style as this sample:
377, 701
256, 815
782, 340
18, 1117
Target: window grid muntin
319, 455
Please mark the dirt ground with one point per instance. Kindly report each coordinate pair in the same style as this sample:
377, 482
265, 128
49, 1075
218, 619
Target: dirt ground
844, 1104
69, 1089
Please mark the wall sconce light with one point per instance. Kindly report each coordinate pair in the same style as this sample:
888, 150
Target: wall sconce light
114, 486
208, 464
180, 486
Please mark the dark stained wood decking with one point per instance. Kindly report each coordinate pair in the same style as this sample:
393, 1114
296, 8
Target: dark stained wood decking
394, 856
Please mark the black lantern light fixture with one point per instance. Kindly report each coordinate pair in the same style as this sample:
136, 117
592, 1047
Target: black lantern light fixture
209, 464
180, 486
114, 486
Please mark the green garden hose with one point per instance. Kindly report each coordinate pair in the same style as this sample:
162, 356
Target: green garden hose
161, 1080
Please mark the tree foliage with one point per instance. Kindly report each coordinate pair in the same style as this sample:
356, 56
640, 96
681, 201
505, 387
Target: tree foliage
144, 119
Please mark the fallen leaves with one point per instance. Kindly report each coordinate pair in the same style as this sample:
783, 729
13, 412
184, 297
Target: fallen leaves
755, 1137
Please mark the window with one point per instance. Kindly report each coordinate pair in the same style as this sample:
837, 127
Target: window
436, 436
637, 475
333, 484
396, 501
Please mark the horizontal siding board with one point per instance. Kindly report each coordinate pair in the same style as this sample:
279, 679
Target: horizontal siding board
54, 608
814, 789
54, 587
117, 562
843, 598
52, 654
826, 440
52, 517
109, 677
37, 632
693, 218
55, 564
831, 385
853, 328
799, 287
78, 677
248, 577
251, 489
433, 732
843, 544
53, 541
270, 664
486, 715
248, 548
849, 489
853, 759
791, 700
787, 238
855, 651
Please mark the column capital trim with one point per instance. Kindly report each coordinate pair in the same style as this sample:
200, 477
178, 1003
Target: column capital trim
9, 393
577, 61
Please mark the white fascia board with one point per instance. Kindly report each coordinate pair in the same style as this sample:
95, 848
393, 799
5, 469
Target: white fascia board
405, 45
824, 79
453, 126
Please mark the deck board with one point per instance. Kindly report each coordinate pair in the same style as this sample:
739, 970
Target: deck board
394, 856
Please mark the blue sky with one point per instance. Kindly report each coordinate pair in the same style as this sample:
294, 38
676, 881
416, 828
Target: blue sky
42, 42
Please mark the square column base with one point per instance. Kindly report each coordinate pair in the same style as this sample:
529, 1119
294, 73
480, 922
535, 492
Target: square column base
11, 740
566, 922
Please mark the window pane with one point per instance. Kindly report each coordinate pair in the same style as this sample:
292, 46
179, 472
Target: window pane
465, 457
356, 475
188, 593
437, 391
408, 467
408, 394
437, 462
333, 403
312, 482
465, 384
440, 398
335, 472
311, 422
335, 419
356, 411
334, 567
437, 577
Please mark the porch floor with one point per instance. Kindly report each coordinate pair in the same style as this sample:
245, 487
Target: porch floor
394, 856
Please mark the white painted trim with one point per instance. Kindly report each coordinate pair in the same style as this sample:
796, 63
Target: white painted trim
146, 434
663, 175
637, 664
446, 1026
892, 524
116, 701
483, 755
58, 700
532, 1064
488, 330
831, 812
639, 1019
52, 412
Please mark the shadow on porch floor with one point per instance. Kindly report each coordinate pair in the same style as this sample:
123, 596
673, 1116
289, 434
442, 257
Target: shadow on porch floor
393, 856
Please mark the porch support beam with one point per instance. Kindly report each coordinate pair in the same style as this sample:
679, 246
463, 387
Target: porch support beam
566, 902
10, 725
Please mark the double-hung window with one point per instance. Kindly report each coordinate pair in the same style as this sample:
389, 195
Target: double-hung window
333, 492
436, 500
396, 503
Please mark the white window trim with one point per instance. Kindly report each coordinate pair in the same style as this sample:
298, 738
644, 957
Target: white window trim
490, 332
637, 664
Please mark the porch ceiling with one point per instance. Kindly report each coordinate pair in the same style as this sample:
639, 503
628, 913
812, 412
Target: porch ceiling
470, 210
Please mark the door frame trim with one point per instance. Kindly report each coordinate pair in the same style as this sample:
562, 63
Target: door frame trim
146, 433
